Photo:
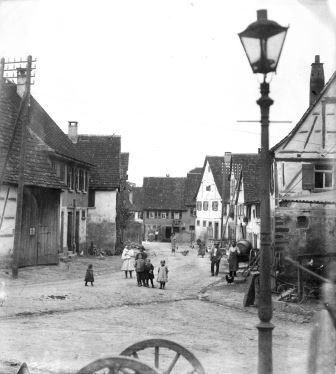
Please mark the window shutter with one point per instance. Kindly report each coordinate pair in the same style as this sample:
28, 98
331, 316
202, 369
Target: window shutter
307, 176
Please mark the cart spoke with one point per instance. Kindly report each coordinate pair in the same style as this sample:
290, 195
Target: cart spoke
171, 366
157, 353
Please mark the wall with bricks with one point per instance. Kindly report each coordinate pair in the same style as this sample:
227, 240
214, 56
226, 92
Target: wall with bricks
304, 228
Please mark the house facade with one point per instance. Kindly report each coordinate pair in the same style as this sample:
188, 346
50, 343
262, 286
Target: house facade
304, 209
164, 211
48, 156
233, 179
104, 185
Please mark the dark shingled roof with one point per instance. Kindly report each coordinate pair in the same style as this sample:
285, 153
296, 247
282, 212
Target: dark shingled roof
44, 126
164, 193
138, 196
193, 181
38, 171
249, 164
104, 152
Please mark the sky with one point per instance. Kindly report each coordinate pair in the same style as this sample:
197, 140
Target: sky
169, 76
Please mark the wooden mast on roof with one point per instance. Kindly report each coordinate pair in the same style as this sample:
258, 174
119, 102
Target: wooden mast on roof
17, 249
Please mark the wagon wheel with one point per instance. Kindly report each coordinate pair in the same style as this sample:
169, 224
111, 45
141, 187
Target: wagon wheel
117, 365
180, 352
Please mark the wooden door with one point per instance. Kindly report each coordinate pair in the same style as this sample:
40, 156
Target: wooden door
29, 234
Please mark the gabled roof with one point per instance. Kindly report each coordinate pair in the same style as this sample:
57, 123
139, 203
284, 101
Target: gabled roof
38, 171
248, 163
137, 199
164, 193
194, 178
45, 127
305, 115
104, 152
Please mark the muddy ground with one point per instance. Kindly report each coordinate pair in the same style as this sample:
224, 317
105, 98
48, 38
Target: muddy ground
56, 325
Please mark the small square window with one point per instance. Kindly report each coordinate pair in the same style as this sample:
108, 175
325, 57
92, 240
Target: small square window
198, 222
208, 188
163, 215
204, 223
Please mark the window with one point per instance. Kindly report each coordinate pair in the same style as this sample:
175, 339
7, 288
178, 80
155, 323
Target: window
76, 179
199, 205
191, 228
323, 176
198, 222
205, 205
83, 214
208, 188
302, 222
152, 215
204, 223
225, 209
176, 215
192, 212
257, 211
70, 177
91, 198
62, 172
215, 205
163, 215
81, 180
210, 224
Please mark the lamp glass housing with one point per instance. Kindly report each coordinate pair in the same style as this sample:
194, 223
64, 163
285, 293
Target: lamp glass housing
263, 41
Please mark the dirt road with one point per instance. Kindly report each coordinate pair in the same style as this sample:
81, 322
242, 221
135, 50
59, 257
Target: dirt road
56, 325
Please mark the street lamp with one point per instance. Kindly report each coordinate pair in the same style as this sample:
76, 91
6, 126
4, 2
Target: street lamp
263, 41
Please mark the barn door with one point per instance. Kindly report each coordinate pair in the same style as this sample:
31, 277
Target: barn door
29, 237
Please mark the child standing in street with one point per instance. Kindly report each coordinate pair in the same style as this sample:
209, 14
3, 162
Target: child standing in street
140, 270
149, 272
89, 275
162, 277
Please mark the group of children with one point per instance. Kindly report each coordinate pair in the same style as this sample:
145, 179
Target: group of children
144, 270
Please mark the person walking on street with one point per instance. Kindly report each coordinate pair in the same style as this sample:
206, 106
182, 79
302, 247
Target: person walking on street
149, 272
162, 276
89, 275
140, 269
173, 243
128, 261
233, 261
215, 257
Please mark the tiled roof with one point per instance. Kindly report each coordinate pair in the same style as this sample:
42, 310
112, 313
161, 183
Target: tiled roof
44, 126
164, 193
37, 171
124, 159
193, 181
325, 197
250, 169
104, 152
138, 196
249, 163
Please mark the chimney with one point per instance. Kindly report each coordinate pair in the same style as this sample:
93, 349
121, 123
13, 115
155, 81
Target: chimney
73, 131
21, 75
316, 80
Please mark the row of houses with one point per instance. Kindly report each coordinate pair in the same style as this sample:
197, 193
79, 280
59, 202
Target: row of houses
222, 199
71, 183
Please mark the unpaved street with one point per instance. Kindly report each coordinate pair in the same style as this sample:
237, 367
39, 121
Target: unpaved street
56, 325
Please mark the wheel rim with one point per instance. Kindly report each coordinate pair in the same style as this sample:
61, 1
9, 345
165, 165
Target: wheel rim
118, 364
180, 352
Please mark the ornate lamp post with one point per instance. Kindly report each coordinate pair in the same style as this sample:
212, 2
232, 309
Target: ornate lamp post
263, 41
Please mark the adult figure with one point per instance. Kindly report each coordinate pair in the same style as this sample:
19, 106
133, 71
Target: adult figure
215, 257
233, 259
128, 257
173, 243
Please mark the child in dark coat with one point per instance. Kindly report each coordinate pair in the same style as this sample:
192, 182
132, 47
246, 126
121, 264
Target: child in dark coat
149, 272
89, 275
140, 270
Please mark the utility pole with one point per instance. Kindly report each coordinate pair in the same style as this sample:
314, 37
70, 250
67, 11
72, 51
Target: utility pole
227, 159
17, 249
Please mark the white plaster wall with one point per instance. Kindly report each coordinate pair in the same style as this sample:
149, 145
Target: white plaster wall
105, 207
210, 196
